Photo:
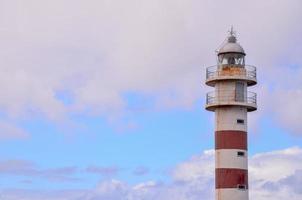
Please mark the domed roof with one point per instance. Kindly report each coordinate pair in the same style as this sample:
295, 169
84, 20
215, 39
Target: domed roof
231, 46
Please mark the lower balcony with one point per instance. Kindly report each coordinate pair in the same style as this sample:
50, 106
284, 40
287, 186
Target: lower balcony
248, 100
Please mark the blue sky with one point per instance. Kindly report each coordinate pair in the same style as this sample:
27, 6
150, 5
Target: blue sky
106, 98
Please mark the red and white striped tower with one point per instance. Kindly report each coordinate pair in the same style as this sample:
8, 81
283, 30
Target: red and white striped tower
231, 101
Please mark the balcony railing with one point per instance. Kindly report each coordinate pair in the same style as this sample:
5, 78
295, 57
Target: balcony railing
217, 71
231, 98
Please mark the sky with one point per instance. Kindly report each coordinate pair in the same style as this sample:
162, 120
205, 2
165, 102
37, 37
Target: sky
104, 99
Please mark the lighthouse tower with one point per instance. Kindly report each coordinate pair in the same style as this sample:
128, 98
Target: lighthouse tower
231, 101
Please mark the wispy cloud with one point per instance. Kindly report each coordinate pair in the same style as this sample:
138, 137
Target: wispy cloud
104, 171
141, 171
29, 169
9, 130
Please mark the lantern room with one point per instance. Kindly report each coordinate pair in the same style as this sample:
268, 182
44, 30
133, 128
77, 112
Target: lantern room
231, 53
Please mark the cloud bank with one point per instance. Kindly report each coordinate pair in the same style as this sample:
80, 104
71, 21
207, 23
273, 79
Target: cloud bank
61, 58
273, 175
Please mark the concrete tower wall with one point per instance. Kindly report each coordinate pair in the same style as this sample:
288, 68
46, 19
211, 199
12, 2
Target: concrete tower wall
226, 118
231, 160
226, 90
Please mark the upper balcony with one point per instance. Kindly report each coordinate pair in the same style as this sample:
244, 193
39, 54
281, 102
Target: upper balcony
231, 72
225, 98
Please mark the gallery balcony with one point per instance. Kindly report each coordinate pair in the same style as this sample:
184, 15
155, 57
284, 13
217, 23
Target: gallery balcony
246, 73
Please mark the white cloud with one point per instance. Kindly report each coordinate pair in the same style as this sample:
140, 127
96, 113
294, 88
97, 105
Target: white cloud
198, 168
276, 165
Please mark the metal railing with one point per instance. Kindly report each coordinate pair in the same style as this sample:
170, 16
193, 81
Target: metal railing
216, 71
231, 97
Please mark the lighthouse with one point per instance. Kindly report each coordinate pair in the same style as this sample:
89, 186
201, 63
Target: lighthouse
231, 101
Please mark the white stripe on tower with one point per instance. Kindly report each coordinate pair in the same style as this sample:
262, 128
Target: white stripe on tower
231, 158
231, 194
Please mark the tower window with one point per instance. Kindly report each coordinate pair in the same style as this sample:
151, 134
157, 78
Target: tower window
240, 153
240, 121
241, 187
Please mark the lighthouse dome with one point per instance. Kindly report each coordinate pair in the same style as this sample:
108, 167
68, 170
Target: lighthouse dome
231, 46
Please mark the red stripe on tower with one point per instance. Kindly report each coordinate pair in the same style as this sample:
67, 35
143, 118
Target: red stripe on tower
231, 140
231, 178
